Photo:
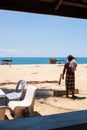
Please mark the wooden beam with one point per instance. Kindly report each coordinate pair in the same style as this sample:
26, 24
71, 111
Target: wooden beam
58, 3
59, 93
75, 4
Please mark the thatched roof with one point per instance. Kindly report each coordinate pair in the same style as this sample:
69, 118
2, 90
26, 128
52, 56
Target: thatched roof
69, 8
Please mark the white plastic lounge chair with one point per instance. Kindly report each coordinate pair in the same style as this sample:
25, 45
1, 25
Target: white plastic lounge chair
18, 93
17, 107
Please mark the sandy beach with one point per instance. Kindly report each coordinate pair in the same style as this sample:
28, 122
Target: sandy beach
45, 102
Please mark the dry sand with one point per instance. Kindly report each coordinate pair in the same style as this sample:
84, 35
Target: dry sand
45, 102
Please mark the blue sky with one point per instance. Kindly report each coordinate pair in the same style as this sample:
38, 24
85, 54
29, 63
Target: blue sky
36, 35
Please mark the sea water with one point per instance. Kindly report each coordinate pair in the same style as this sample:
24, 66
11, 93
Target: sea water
41, 60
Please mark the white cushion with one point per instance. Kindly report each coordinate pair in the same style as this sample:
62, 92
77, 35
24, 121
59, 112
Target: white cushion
13, 95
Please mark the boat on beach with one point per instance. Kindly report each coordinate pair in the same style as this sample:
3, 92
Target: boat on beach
6, 61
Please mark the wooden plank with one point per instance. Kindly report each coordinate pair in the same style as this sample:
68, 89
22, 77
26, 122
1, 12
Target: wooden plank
65, 121
75, 4
63, 92
58, 3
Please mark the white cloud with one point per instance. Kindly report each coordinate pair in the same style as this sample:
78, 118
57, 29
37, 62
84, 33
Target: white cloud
7, 52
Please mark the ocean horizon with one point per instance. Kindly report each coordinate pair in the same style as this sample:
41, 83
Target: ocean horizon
40, 60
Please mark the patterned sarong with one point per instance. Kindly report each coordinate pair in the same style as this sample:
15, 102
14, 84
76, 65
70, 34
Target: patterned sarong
70, 81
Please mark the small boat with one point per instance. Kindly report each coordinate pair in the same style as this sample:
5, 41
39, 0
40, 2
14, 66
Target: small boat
6, 61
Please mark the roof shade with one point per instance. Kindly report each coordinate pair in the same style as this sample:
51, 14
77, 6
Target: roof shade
68, 8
